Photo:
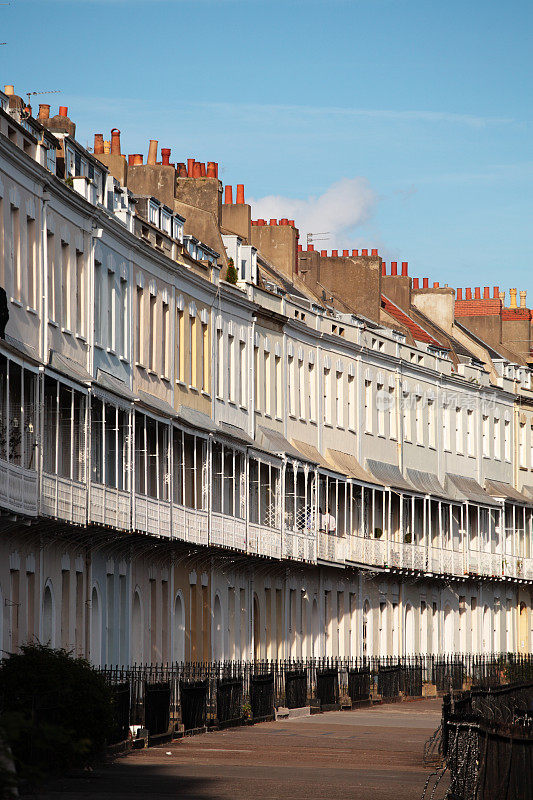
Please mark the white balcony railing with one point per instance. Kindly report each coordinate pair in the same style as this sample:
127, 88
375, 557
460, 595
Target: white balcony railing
64, 499
299, 546
110, 506
264, 541
190, 525
18, 489
228, 532
151, 515
331, 547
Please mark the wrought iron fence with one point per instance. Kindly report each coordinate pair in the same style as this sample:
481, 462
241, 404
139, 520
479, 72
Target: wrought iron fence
199, 694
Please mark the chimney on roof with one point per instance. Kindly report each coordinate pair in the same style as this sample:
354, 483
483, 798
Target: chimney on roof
334, 253
300, 248
107, 147
310, 248
523, 298
345, 253
322, 252
383, 268
404, 268
416, 283
496, 293
115, 141
9, 89
284, 221
477, 293
211, 169
228, 195
459, 294
502, 297
137, 159
364, 252
197, 170
98, 143
512, 301
468, 294
273, 222
239, 200
152, 152
355, 253
182, 170
486, 293
425, 283
165, 156
374, 252
44, 111
190, 167
63, 111
435, 284
393, 267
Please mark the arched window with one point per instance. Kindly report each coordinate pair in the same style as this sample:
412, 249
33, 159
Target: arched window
48, 616
96, 628
137, 633
178, 654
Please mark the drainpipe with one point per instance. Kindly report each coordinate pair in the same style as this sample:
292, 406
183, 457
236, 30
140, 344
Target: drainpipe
399, 417
44, 295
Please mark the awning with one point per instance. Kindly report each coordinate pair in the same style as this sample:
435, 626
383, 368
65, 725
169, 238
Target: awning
505, 490
234, 432
66, 366
461, 488
197, 419
310, 453
19, 348
272, 441
114, 385
426, 482
156, 404
349, 465
389, 475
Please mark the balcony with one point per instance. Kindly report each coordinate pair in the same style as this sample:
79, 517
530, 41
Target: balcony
151, 515
264, 541
228, 532
190, 525
18, 489
300, 546
367, 551
331, 547
109, 506
63, 498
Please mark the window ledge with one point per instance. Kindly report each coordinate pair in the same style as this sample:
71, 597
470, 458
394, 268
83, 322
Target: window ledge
31, 310
206, 394
55, 325
243, 408
137, 363
15, 302
181, 383
328, 425
165, 378
111, 351
67, 331
124, 359
193, 388
152, 372
81, 338
232, 403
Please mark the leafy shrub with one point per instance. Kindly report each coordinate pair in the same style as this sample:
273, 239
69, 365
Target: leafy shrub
56, 710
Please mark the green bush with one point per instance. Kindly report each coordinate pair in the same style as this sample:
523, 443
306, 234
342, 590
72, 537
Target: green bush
56, 711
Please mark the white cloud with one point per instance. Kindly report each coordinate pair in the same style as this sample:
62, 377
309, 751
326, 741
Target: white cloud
343, 207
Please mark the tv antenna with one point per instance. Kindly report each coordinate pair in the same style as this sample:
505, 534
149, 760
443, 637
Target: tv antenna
46, 91
317, 237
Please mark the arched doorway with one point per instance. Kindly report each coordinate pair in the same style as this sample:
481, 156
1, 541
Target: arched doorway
96, 628
410, 645
178, 652
315, 629
448, 630
48, 616
257, 629
487, 631
218, 645
523, 633
137, 633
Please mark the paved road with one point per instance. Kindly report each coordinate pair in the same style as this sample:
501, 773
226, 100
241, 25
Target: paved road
371, 754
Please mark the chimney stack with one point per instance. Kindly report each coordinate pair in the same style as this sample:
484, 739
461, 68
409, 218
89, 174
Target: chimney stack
131, 160
240, 194
383, 268
393, 267
63, 111
477, 293
435, 284
523, 299
322, 252
404, 269
486, 293
355, 253
152, 152
468, 294
44, 111
165, 156
211, 169
107, 147
459, 294
416, 284
512, 301
137, 159
425, 283
374, 252
496, 294
190, 167
364, 252
9, 90
228, 195
115, 141
98, 141
197, 170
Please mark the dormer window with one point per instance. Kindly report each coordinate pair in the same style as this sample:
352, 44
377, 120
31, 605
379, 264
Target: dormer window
51, 159
166, 222
153, 214
178, 229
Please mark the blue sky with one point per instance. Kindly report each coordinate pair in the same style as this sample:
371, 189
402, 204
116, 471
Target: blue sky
401, 124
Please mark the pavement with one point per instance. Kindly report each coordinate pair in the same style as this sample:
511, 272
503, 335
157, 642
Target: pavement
368, 754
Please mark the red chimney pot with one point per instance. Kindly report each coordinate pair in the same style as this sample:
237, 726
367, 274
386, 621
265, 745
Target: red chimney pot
468, 294
404, 268
364, 252
300, 248
334, 253
459, 294
197, 170
425, 283
240, 194
416, 283
63, 111
115, 141
211, 169
284, 221
496, 292
165, 156
374, 252
355, 253
98, 142
310, 248
477, 293
383, 268
436, 285
393, 267
323, 252
190, 167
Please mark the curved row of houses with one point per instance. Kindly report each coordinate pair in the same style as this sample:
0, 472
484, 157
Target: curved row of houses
321, 458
